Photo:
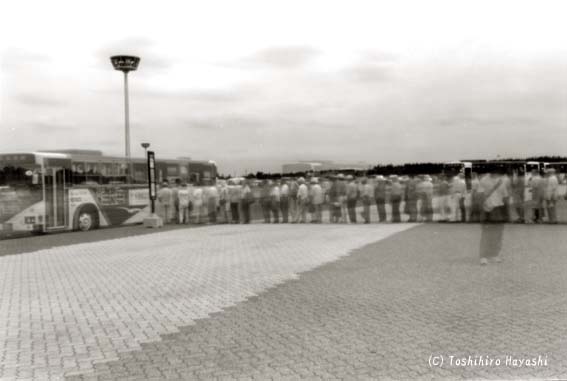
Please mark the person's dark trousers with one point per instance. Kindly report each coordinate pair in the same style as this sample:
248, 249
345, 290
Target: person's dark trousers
381, 207
366, 211
463, 209
476, 207
396, 200
519, 207
276, 212
351, 207
234, 212
284, 205
506, 209
246, 212
492, 229
212, 214
412, 210
266, 211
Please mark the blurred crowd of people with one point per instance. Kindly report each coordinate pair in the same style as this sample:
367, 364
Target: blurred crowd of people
493, 197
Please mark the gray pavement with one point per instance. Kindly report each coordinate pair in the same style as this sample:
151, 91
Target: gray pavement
387, 310
67, 307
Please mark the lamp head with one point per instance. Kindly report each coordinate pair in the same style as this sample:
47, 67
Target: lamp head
125, 63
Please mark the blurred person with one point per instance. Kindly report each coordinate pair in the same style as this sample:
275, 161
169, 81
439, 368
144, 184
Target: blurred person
351, 198
275, 199
518, 188
367, 194
265, 200
425, 194
247, 201
493, 190
284, 201
293, 186
316, 197
212, 203
396, 192
551, 195
334, 201
342, 189
174, 190
183, 200
380, 197
198, 205
537, 189
476, 199
507, 183
234, 196
411, 198
302, 201
224, 204
165, 199
458, 190
443, 198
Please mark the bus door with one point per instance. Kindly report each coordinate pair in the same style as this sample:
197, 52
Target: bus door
55, 198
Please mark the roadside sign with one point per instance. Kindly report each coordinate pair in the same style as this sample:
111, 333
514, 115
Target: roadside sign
152, 188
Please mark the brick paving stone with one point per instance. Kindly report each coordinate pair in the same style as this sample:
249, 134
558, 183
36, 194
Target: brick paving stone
382, 311
86, 304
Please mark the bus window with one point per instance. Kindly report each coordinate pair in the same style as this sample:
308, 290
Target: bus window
91, 168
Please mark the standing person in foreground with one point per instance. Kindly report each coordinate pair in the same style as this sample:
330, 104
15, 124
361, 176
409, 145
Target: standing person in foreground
551, 195
380, 197
411, 198
342, 188
302, 201
351, 197
165, 200
212, 203
284, 201
247, 201
334, 202
174, 191
265, 202
458, 189
316, 196
234, 195
198, 206
224, 204
367, 195
518, 195
493, 191
275, 201
396, 198
537, 189
183, 199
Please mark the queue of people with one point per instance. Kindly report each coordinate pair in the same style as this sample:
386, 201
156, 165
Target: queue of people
346, 199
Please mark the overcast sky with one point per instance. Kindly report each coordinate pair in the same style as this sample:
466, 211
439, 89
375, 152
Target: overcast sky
253, 84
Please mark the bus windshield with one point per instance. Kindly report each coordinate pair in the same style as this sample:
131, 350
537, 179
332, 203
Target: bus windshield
19, 175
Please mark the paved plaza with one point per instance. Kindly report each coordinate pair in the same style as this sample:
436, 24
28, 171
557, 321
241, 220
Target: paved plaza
287, 302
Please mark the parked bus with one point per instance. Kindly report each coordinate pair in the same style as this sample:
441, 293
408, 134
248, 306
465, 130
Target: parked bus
82, 190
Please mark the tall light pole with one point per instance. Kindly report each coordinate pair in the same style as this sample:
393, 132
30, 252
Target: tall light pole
145, 146
126, 64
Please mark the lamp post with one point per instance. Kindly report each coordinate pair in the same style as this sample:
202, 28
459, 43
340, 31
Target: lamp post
145, 146
126, 64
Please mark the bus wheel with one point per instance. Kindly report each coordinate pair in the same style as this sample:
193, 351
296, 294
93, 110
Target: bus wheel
87, 221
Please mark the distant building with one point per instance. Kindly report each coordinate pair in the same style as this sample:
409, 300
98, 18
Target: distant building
321, 165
